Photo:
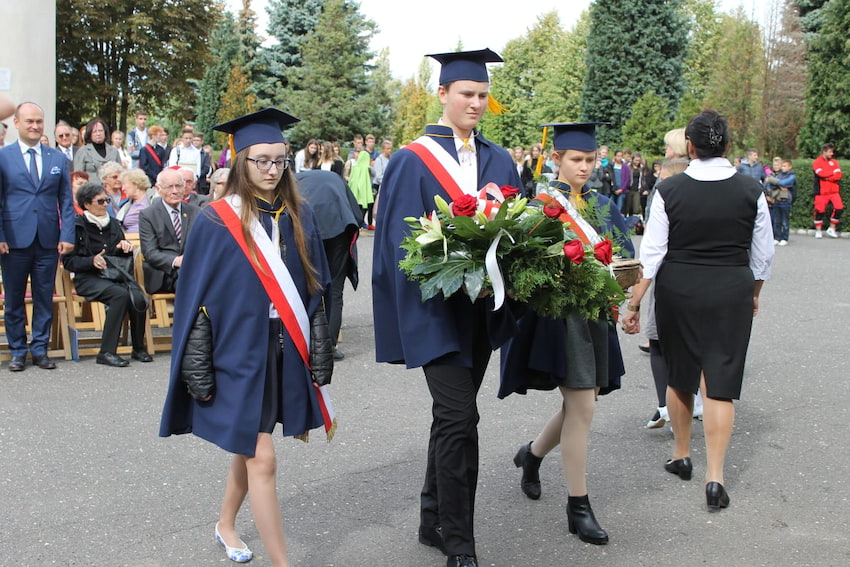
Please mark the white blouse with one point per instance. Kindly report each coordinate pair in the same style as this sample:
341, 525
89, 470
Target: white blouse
653, 246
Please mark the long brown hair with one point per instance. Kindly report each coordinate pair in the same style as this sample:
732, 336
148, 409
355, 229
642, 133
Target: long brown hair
238, 183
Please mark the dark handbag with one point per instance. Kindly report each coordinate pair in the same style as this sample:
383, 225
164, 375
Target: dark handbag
118, 271
117, 268
321, 348
196, 366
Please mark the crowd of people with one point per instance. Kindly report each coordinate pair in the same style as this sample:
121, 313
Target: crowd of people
284, 226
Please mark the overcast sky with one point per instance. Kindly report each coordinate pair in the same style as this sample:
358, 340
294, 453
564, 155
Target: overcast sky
411, 28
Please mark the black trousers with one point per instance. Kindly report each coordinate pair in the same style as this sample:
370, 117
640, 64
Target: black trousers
336, 249
451, 477
117, 300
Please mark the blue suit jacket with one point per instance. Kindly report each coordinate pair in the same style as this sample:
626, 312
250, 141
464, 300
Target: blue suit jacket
406, 329
28, 210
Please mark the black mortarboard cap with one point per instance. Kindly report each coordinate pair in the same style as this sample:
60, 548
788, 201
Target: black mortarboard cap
579, 136
262, 127
465, 65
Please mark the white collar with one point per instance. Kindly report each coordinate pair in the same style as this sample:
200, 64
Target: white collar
25, 148
710, 169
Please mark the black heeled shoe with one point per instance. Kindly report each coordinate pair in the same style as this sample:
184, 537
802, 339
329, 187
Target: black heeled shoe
580, 520
530, 464
716, 496
682, 467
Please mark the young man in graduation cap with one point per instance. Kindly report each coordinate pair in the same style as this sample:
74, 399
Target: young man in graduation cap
450, 338
255, 274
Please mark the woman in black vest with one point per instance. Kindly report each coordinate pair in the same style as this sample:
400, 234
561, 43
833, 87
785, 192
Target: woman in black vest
709, 247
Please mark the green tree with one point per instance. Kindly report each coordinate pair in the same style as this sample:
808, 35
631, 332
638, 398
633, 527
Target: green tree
539, 81
144, 51
649, 121
632, 46
290, 23
329, 92
416, 106
382, 91
828, 108
237, 99
224, 48
703, 24
735, 88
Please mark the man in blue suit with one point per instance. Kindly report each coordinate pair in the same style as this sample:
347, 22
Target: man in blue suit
36, 226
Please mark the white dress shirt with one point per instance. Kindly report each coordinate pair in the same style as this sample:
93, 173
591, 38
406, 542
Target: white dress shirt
39, 162
653, 246
467, 157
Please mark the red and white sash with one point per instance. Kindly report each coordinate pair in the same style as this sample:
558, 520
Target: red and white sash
448, 174
277, 281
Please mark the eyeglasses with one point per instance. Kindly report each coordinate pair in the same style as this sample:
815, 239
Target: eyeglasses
266, 164
101, 201
172, 187
62, 135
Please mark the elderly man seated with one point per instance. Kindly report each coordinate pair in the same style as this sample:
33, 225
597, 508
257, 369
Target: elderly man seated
163, 230
190, 194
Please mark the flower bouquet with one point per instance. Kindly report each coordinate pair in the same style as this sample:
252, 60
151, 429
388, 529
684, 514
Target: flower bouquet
523, 252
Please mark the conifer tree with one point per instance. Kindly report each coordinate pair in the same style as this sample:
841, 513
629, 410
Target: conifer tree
224, 48
329, 91
828, 108
632, 46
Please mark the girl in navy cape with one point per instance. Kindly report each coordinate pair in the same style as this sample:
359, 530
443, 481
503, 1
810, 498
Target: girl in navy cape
579, 357
260, 377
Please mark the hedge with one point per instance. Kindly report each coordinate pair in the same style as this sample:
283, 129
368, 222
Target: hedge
802, 210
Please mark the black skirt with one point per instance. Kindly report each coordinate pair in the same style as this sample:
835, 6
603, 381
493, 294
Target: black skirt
704, 316
272, 395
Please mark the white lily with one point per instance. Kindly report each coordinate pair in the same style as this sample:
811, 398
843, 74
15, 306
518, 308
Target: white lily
433, 232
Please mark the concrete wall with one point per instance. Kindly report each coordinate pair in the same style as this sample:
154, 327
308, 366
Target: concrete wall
28, 57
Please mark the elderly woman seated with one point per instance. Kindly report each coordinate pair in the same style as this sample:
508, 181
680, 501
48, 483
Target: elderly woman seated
137, 187
218, 181
100, 244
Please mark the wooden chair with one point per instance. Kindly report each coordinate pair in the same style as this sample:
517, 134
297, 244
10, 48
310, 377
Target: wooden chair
162, 305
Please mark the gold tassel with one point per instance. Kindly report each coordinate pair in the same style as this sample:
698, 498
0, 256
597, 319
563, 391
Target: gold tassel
332, 431
303, 437
494, 105
232, 148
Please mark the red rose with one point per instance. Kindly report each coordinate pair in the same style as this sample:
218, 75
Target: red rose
553, 209
465, 206
574, 251
509, 192
603, 252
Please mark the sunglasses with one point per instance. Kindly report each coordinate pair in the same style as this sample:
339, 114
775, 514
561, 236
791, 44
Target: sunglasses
101, 201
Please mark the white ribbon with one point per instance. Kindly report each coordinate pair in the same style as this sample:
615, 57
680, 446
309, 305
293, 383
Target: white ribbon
491, 263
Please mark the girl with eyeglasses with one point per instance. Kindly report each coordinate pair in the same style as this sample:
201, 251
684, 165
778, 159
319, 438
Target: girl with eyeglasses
254, 278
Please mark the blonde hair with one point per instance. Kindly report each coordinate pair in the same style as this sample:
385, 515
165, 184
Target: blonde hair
677, 142
136, 177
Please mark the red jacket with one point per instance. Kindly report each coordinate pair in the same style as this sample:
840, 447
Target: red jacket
829, 172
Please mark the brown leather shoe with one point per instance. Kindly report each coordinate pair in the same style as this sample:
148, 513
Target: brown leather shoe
43, 362
17, 363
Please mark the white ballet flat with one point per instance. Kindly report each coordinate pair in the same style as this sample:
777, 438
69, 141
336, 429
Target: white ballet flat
235, 554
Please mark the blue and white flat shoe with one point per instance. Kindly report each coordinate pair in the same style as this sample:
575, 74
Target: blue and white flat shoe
236, 554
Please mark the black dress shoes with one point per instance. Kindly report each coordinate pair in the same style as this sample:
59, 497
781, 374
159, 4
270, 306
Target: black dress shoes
141, 356
431, 536
530, 482
112, 359
43, 362
581, 521
461, 561
682, 467
716, 496
17, 363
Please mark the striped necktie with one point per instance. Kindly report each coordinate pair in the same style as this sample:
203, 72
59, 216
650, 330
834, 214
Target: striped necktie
178, 229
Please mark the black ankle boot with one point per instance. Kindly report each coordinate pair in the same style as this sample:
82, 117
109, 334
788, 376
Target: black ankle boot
581, 520
530, 464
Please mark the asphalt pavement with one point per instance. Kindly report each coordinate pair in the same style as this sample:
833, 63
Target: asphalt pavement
85, 481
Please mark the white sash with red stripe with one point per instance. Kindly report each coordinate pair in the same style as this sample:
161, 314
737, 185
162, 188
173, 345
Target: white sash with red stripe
278, 283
